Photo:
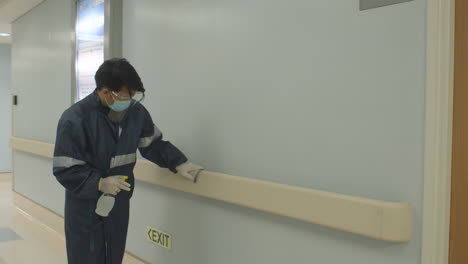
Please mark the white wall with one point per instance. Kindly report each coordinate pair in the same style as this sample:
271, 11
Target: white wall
41, 65
5, 110
308, 93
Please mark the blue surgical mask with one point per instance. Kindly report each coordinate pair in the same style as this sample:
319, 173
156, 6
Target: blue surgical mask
119, 106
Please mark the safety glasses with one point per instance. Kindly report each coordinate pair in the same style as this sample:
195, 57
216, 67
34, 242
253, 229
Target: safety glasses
135, 97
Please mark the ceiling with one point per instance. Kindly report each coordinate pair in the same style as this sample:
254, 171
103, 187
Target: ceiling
10, 10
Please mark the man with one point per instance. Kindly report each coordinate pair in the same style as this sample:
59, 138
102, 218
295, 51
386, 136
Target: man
96, 145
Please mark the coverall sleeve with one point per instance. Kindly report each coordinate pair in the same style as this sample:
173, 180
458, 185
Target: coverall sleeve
155, 149
70, 166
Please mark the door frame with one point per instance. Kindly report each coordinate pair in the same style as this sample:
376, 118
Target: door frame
438, 138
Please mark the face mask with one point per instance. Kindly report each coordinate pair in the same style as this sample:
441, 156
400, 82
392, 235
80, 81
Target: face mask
119, 106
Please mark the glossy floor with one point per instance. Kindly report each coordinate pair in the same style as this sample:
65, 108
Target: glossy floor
23, 238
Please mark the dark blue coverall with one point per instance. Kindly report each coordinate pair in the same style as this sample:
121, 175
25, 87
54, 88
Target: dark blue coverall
89, 146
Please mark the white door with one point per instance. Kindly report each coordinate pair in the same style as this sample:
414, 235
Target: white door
5, 107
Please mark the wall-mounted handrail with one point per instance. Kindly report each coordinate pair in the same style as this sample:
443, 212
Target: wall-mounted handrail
388, 221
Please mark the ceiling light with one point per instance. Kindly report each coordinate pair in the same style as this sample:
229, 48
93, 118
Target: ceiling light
4, 35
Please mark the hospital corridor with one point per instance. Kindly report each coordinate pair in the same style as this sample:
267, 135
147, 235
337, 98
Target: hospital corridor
24, 236
233, 131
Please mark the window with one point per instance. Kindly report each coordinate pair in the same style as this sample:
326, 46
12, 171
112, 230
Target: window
89, 28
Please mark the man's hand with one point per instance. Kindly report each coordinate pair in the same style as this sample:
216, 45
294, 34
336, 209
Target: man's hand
113, 185
189, 171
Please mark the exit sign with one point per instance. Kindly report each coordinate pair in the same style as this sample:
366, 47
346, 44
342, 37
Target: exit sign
158, 237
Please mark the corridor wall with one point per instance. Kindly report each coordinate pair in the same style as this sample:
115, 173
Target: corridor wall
308, 93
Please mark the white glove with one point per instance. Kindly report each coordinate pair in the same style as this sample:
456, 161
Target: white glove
113, 185
189, 171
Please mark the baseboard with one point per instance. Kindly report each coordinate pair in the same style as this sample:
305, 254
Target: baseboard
53, 221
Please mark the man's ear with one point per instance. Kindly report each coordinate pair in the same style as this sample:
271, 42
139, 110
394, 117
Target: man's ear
105, 90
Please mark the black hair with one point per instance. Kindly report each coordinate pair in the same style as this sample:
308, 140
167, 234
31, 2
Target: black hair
116, 73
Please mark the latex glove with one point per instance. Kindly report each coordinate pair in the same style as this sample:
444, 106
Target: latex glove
113, 185
189, 171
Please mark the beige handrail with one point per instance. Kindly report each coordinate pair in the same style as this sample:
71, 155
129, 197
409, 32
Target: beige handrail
381, 220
